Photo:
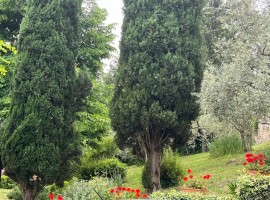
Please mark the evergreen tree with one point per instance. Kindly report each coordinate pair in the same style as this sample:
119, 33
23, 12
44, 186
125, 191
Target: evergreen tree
160, 67
39, 143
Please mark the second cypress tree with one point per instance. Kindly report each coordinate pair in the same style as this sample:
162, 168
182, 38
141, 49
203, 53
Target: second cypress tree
161, 66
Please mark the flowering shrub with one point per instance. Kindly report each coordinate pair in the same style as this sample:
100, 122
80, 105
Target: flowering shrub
123, 192
196, 183
256, 162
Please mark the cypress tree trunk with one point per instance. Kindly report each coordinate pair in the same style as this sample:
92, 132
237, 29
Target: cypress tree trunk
155, 160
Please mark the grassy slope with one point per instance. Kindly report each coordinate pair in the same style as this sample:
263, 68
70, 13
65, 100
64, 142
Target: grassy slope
3, 194
224, 170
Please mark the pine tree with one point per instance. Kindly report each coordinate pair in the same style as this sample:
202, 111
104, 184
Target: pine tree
161, 66
39, 143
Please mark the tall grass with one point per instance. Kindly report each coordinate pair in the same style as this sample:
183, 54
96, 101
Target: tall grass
226, 145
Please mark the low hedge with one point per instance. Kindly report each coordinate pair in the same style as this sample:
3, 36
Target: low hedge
253, 187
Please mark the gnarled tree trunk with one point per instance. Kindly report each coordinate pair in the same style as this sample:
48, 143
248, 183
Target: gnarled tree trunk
246, 140
155, 155
30, 190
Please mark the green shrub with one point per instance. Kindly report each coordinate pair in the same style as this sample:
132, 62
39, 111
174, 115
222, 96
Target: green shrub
15, 193
146, 178
6, 182
266, 152
253, 187
171, 171
89, 189
174, 194
225, 145
110, 168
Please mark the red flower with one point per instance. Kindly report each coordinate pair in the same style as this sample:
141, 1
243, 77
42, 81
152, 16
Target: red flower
138, 195
249, 155
60, 197
206, 176
111, 190
119, 188
51, 196
137, 190
132, 190
128, 189
250, 159
191, 176
189, 171
118, 193
185, 178
123, 188
261, 163
244, 163
144, 195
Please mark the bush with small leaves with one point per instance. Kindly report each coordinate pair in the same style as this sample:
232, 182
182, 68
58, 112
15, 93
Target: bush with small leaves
6, 182
253, 187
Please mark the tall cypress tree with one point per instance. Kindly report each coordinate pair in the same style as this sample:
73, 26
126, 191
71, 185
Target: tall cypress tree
39, 143
160, 67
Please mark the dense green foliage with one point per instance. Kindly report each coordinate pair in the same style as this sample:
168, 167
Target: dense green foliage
160, 67
225, 145
253, 187
171, 170
110, 168
6, 182
40, 144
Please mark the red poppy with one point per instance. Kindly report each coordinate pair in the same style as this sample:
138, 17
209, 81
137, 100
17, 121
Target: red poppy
137, 190
60, 197
123, 188
185, 178
189, 171
132, 190
128, 189
249, 155
51, 196
250, 159
261, 163
138, 195
111, 190
144, 195
191, 176
119, 188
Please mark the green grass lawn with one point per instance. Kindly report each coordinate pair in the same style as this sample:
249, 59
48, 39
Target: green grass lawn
3, 194
224, 170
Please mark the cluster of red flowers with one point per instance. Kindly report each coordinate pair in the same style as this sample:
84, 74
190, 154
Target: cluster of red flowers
51, 196
205, 177
251, 158
119, 189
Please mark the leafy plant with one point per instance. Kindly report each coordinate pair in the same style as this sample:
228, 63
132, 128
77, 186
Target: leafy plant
93, 189
173, 194
226, 145
110, 168
171, 171
232, 188
6, 182
253, 187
